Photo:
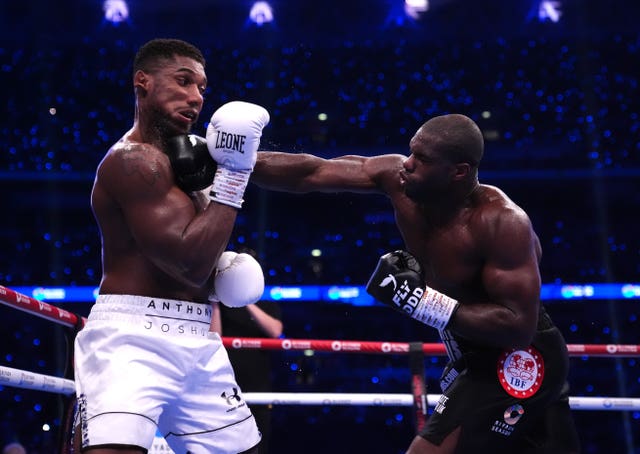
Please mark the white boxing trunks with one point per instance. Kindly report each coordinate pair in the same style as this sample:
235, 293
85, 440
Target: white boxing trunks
143, 364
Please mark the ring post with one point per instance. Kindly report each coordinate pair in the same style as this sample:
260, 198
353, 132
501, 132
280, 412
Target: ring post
418, 385
66, 441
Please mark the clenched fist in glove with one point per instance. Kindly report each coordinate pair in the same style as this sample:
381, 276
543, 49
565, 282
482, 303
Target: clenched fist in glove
397, 281
192, 165
239, 280
233, 137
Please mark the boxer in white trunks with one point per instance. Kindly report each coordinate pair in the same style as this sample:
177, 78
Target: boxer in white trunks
146, 360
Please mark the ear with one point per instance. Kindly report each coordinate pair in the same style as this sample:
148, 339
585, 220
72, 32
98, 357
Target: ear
141, 82
462, 171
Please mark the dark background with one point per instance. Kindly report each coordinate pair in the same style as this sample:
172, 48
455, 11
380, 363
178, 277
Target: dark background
562, 140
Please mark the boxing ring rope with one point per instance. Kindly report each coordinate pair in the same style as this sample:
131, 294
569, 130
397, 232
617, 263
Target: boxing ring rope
18, 378
31, 380
39, 308
354, 346
52, 313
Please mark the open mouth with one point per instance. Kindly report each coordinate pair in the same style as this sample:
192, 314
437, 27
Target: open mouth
189, 115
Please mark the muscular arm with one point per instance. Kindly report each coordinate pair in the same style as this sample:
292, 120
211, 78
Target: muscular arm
511, 279
216, 319
160, 218
302, 172
271, 326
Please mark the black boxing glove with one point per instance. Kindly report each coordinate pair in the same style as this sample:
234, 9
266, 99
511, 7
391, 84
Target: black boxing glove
397, 282
191, 162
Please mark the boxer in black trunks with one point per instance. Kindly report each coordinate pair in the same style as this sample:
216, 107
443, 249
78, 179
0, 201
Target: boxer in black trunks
471, 270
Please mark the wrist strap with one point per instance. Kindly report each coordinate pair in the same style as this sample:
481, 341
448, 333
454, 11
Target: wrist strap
435, 309
229, 185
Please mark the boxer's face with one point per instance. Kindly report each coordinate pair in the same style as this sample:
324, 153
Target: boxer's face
173, 95
426, 173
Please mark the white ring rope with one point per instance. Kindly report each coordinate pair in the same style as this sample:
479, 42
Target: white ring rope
407, 400
30, 380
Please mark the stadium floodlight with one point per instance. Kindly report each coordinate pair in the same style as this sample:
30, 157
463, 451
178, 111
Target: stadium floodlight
416, 8
115, 11
261, 13
550, 10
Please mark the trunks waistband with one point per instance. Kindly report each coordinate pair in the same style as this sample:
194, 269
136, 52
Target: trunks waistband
171, 317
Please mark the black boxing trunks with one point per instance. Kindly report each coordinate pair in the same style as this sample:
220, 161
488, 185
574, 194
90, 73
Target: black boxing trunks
507, 401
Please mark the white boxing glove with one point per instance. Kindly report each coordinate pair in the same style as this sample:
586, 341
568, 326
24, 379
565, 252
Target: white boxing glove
233, 137
239, 280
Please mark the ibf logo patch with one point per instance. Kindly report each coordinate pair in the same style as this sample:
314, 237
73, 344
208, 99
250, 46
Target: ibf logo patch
521, 372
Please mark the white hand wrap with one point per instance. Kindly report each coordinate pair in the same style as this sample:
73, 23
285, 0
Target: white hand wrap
239, 280
434, 308
229, 185
233, 138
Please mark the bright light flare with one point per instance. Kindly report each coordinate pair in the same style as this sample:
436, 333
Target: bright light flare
416, 8
261, 13
115, 11
550, 10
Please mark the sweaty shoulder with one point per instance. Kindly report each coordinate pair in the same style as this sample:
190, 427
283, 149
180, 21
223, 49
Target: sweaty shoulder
498, 218
491, 203
135, 166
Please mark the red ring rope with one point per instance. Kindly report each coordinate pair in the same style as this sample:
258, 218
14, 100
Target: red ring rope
37, 307
400, 347
55, 314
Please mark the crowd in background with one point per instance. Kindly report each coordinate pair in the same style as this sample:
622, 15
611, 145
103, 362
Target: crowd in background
560, 121
561, 118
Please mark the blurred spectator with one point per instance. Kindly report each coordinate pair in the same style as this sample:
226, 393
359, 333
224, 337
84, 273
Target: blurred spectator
14, 448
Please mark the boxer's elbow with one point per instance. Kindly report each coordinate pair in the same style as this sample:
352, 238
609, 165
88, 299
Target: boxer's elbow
522, 333
195, 279
510, 329
190, 273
